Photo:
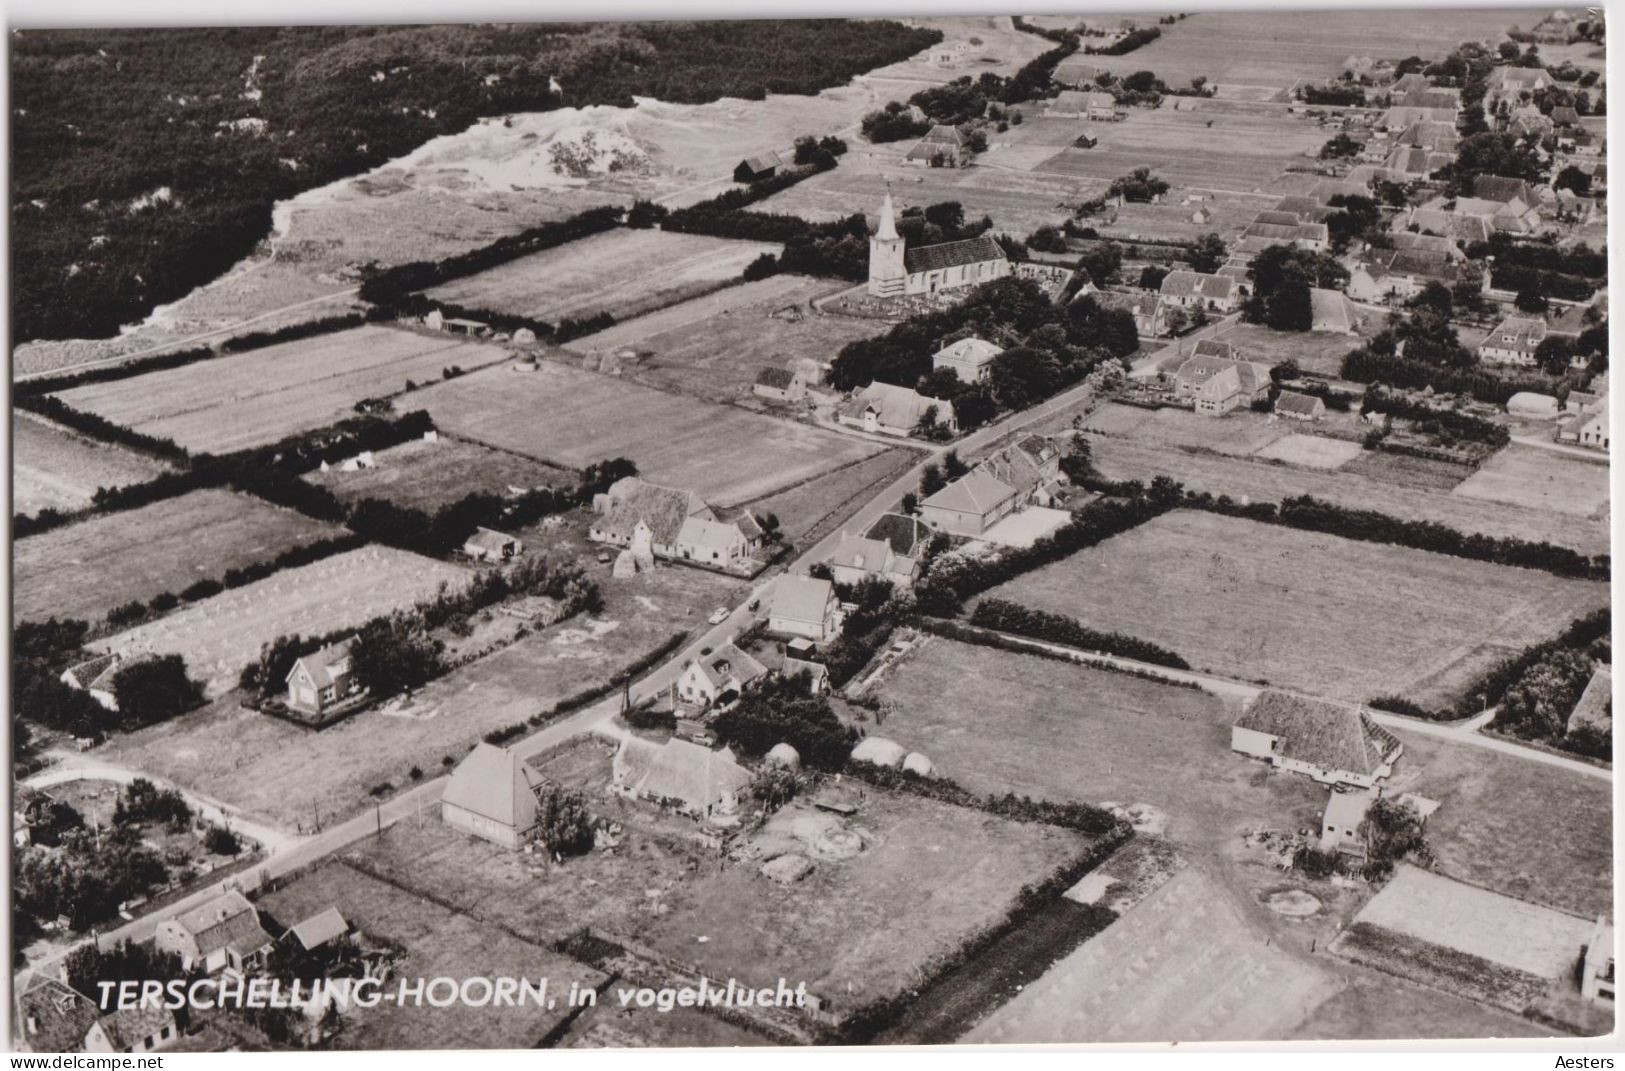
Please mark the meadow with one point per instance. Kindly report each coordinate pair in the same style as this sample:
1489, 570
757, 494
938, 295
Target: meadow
54, 468
427, 475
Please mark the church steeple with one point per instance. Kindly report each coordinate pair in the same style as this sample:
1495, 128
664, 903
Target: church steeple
888, 273
887, 230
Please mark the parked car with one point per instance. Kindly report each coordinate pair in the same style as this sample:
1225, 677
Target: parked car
718, 616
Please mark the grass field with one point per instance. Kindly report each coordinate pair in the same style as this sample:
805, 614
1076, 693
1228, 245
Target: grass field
713, 346
1516, 826
1312, 451
571, 417
623, 272
54, 468
1315, 351
1544, 480
811, 510
1240, 434
87, 568
435, 942
427, 475
861, 927
287, 774
1311, 612
223, 633
258, 397
1394, 487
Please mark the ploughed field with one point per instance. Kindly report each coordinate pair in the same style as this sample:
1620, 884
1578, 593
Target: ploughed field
1310, 612
256, 398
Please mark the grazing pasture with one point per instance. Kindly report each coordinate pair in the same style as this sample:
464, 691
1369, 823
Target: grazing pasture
623, 272
54, 468
1544, 480
1312, 451
89, 567
809, 511
712, 347
427, 475
219, 635
571, 417
255, 398
1306, 611
859, 926
433, 942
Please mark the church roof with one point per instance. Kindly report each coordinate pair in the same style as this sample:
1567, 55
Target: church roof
952, 254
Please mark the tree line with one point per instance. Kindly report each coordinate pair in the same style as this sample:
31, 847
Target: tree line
1002, 615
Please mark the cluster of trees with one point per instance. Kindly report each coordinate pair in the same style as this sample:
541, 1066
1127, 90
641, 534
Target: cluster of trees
1356, 217
1379, 364
1002, 615
1538, 687
777, 710
1139, 185
1135, 38
894, 122
1448, 425
1283, 276
87, 877
142, 802
1333, 95
93, 152
1340, 147
147, 690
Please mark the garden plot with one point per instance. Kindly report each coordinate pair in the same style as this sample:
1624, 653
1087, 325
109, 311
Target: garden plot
1311, 612
259, 397
223, 633
426, 475
571, 417
623, 272
54, 468
89, 567
1312, 451
1543, 480
714, 346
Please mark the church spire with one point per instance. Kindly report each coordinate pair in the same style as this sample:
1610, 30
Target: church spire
887, 230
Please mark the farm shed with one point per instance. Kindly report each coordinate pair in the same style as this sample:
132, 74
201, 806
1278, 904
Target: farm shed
489, 545
756, 168
492, 794
1295, 406
1330, 742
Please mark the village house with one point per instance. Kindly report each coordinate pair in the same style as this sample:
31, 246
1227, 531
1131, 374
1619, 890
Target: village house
223, 934
691, 779
857, 558
640, 515
1440, 217
53, 1017
1144, 305
1594, 709
804, 606
888, 409
779, 385
942, 146
95, 676
1214, 380
971, 504
1513, 342
1082, 104
1510, 83
323, 679
1340, 825
718, 677
1294, 406
971, 359
1585, 426
1332, 743
1285, 228
1032, 465
720, 544
1199, 290
802, 657
896, 271
1399, 274
756, 168
492, 795
1597, 966
489, 545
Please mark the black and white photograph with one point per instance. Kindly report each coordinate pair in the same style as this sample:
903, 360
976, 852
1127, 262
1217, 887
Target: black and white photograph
884, 529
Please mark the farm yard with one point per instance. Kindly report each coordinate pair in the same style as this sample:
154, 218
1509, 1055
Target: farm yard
219, 635
256, 398
1305, 611
571, 417
89, 567
1533, 478
287, 774
712, 347
433, 941
427, 475
859, 927
624, 272
54, 468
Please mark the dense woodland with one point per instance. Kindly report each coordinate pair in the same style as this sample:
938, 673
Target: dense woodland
146, 162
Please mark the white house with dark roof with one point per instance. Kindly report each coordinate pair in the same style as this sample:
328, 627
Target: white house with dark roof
804, 606
720, 544
1332, 743
779, 385
897, 271
492, 795
1513, 341
714, 676
1199, 290
1294, 406
220, 935
887, 409
942, 146
323, 679
1083, 104
1213, 382
971, 359
53, 1017
856, 558
634, 512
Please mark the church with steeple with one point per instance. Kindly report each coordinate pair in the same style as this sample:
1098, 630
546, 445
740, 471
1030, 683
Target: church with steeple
897, 271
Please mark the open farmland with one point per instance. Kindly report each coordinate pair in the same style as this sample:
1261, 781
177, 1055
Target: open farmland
1311, 612
87, 568
1545, 480
255, 398
1514, 825
623, 272
713, 346
434, 942
54, 468
809, 511
427, 475
223, 633
286, 773
570, 417
860, 927
1362, 484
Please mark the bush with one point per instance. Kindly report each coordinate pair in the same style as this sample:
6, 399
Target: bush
1003, 615
562, 821
154, 689
219, 840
